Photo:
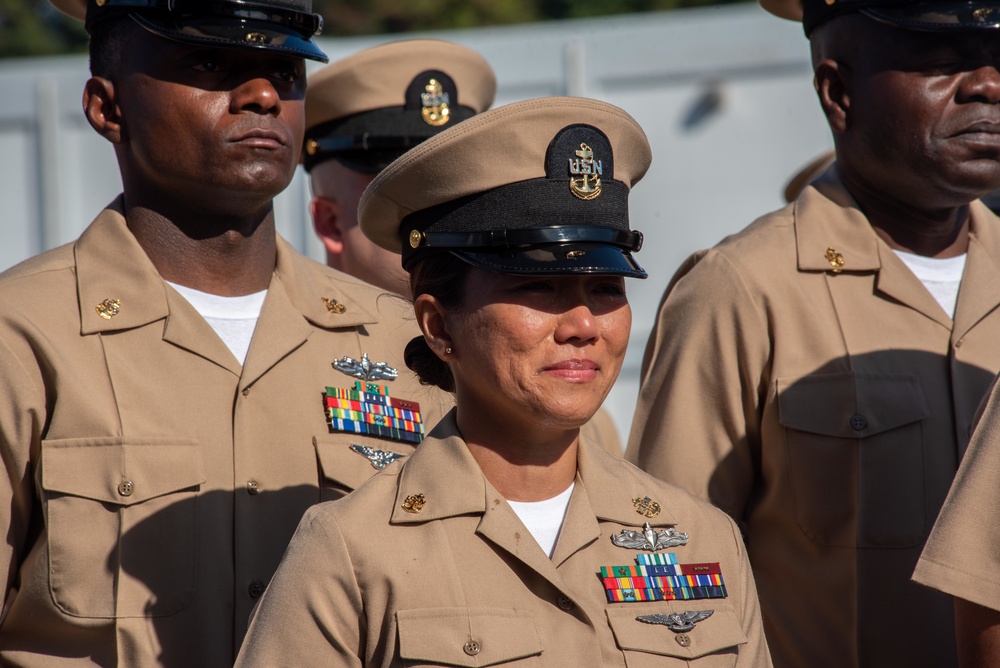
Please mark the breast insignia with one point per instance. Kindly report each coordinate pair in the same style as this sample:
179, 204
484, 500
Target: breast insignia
661, 577
368, 409
364, 369
379, 458
649, 538
678, 622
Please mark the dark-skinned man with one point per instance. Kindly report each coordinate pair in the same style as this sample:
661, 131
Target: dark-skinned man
179, 383
817, 374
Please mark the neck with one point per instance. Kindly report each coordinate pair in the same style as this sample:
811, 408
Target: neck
219, 254
523, 464
908, 226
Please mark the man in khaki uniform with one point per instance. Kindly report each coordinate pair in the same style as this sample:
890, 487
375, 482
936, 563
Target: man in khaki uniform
816, 375
962, 554
451, 560
180, 385
366, 110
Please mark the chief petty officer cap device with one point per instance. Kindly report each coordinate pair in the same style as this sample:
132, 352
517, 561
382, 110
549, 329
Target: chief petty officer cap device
908, 15
283, 26
535, 187
369, 108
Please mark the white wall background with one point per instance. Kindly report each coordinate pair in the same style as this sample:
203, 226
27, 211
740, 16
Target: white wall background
724, 94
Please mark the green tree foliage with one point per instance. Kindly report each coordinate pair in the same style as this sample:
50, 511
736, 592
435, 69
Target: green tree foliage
33, 27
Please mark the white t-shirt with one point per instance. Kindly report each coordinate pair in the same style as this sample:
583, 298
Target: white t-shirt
544, 519
232, 318
941, 276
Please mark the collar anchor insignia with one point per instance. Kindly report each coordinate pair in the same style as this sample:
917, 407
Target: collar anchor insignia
109, 308
364, 369
414, 503
649, 538
379, 458
678, 622
646, 506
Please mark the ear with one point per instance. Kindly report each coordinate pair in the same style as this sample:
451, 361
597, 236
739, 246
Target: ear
831, 80
325, 213
432, 318
101, 108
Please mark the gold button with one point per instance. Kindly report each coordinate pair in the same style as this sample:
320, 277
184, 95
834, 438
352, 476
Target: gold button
472, 648
684, 640
125, 488
253, 488
565, 603
416, 238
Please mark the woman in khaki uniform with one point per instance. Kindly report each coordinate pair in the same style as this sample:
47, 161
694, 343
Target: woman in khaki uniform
504, 539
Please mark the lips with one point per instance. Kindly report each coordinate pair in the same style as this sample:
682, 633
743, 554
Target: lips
574, 370
260, 137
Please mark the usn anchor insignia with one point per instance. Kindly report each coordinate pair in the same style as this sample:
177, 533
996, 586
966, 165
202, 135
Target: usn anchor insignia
589, 171
678, 622
649, 538
364, 369
435, 103
378, 458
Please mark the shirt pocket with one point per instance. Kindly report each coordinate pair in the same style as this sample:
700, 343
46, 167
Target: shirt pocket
121, 522
714, 642
342, 469
467, 637
855, 449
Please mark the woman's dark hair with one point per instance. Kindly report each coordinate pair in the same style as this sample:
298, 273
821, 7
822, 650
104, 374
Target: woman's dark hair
442, 276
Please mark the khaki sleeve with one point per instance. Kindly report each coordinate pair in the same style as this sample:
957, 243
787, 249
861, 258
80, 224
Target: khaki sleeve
755, 654
22, 414
703, 385
962, 554
311, 613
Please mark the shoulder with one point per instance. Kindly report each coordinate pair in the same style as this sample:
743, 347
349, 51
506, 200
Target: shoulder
53, 265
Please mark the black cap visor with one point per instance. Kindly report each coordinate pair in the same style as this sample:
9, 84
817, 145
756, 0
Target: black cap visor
558, 259
231, 31
939, 16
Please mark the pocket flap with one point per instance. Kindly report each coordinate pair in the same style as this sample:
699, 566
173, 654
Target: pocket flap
440, 635
119, 470
349, 468
850, 405
719, 632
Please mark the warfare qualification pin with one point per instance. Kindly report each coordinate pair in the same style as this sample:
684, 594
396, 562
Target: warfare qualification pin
585, 174
364, 369
435, 103
379, 458
649, 538
678, 622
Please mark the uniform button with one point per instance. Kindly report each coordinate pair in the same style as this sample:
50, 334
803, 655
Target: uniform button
472, 648
125, 488
684, 640
858, 422
253, 488
958, 344
565, 603
246, 391
256, 589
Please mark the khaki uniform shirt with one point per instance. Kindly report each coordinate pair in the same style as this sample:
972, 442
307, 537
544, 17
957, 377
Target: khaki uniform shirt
962, 554
151, 483
805, 381
463, 583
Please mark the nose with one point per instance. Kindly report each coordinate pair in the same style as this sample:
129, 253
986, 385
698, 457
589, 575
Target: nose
981, 85
256, 95
577, 325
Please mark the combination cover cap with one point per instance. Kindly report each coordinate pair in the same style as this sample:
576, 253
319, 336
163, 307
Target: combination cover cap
284, 26
906, 14
535, 187
369, 108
